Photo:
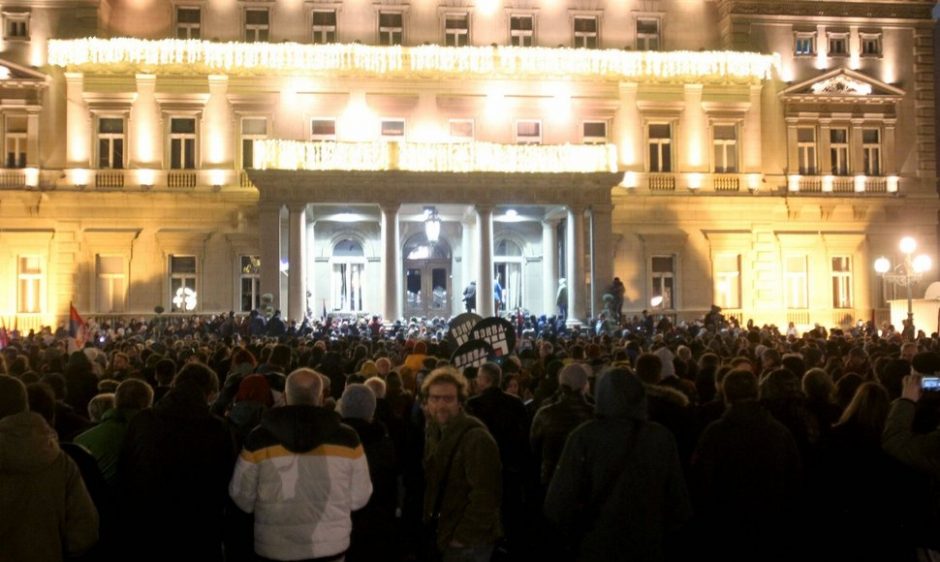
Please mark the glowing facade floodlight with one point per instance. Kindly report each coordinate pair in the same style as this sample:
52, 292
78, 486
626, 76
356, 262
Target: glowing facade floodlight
656, 301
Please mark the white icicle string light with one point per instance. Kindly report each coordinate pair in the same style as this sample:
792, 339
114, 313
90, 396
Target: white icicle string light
190, 55
274, 154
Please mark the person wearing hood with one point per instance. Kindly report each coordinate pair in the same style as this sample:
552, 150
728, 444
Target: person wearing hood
304, 512
373, 533
625, 472
253, 398
46, 513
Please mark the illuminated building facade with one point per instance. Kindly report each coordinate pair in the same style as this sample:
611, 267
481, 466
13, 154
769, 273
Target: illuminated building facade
198, 154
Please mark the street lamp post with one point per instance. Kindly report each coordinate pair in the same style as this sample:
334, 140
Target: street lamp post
905, 274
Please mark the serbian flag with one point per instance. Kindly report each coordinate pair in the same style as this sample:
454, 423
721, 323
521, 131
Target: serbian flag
77, 327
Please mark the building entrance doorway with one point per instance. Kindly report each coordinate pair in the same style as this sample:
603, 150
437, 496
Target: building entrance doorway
427, 281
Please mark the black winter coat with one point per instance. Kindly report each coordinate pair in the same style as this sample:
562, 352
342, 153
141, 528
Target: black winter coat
173, 475
552, 425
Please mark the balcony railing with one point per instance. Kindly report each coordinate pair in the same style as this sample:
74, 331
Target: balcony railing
842, 184
662, 182
726, 182
177, 179
109, 179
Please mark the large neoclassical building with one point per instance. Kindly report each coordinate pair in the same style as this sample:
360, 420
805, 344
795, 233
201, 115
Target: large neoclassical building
355, 157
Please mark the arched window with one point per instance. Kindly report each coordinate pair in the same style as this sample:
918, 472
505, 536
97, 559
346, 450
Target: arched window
508, 272
349, 262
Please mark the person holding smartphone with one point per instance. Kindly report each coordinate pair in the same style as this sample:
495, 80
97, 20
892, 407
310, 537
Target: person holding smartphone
919, 451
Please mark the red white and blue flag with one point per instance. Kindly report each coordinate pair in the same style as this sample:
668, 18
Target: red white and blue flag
77, 327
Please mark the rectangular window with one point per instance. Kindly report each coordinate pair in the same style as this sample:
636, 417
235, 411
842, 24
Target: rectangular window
871, 151
257, 25
838, 44
14, 141
663, 281
16, 26
182, 143
585, 32
804, 44
660, 147
111, 143
112, 284
249, 296
253, 128
839, 151
393, 128
528, 132
182, 283
457, 30
188, 22
323, 129
30, 280
391, 28
324, 27
521, 30
842, 282
727, 281
594, 132
806, 150
796, 280
726, 149
871, 44
461, 129
647, 34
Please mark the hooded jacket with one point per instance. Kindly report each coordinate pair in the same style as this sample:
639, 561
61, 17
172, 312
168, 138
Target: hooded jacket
45, 510
302, 473
639, 507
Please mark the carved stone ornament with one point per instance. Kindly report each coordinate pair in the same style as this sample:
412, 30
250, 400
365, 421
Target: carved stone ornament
842, 84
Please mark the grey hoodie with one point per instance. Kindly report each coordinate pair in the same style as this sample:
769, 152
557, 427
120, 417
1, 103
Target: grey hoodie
45, 510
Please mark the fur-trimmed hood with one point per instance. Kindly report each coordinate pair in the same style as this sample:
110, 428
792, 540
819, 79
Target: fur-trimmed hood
666, 394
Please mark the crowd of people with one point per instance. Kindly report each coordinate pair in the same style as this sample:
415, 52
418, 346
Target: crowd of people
220, 439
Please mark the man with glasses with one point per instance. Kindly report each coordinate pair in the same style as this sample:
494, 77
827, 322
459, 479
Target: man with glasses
462, 473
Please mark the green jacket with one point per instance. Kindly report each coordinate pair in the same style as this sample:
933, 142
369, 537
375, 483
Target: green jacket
470, 508
104, 441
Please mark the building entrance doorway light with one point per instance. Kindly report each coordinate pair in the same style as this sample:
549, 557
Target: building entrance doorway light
427, 278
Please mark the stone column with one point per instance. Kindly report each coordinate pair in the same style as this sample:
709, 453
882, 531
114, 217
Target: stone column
751, 135
217, 118
693, 124
296, 274
549, 266
269, 219
468, 255
391, 262
485, 303
77, 122
32, 138
602, 254
575, 254
628, 130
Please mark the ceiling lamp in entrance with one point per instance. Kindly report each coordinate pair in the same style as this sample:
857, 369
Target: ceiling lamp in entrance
432, 224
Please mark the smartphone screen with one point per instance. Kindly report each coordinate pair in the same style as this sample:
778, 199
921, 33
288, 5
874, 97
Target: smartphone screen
930, 383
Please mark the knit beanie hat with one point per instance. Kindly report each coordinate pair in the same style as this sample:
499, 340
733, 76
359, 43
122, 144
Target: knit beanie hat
358, 401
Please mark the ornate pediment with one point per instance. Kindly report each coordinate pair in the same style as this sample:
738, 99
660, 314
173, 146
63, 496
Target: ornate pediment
13, 75
842, 84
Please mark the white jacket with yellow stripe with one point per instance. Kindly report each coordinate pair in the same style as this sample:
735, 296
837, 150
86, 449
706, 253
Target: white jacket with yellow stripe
301, 472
